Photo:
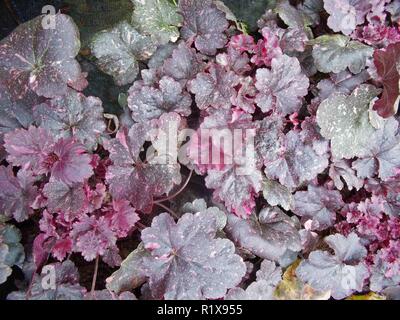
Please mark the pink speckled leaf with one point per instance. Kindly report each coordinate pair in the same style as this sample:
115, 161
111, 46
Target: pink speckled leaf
69, 162
122, 217
92, 236
28, 148
41, 60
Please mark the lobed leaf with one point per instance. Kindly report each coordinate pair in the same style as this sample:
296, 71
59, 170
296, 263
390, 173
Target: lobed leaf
336, 53
118, 51
187, 261
34, 58
345, 121
158, 19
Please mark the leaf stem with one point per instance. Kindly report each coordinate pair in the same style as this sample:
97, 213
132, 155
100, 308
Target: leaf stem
178, 192
140, 226
168, 209
29, 291
11, 9
94, 279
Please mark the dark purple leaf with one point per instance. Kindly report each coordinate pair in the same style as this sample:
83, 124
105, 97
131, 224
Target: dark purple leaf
39, 59
204, 24
319, 205
187, 261
17, 194
268, 236
73, 115
342, 273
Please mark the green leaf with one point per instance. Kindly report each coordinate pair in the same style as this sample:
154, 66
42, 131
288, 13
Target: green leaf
11, 250
345, 120
11, 236
103, 86
291, 16
369, 296
118, 51
131, 274
249, 11
336, 53
158, 19
291, 288
92, 16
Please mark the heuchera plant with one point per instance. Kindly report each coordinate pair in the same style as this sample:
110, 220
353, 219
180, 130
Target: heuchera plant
292, 194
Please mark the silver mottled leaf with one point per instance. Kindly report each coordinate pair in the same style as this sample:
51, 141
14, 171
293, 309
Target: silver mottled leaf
379, 275
109, 295
343, 82
234, 189
200, 205
341, 171
336, 53
118, 51
162, 53
184, 63
283, 87
14, 115
263, 288
270, 273
134, 180
269, 137
131, 274
17, 194
214, 88
147, 103
158, 19
204, 24
345, 120
63, 197
291, 15
11, 250
295, 163
258, 290
383, 153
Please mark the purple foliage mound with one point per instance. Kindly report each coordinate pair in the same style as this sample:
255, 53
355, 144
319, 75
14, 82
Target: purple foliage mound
236, 165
